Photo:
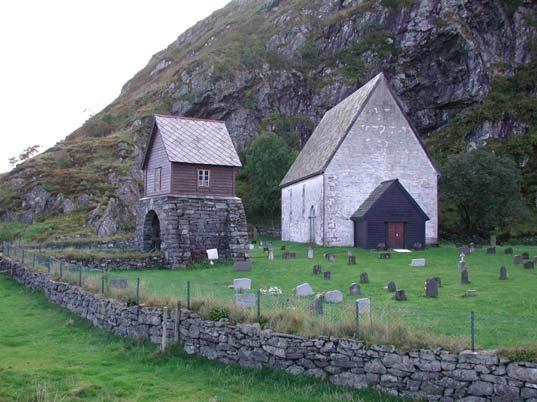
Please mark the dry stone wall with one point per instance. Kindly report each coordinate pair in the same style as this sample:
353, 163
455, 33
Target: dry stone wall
420, 374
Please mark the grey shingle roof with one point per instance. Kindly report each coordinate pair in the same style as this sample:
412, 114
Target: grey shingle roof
378, 192
327, 136
191, 140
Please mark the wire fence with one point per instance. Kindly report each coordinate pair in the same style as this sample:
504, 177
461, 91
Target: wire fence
396, 323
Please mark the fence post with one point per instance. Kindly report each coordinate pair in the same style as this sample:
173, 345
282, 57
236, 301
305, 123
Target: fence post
22, 258
357, 332
80, 276
61, 269
49, 262
102, 285
472, 329
33, 261
164, 329
177, 321
137, 291
258, 305
188, 295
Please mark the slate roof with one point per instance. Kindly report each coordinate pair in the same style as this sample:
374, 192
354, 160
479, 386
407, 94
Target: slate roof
330, 133
196, 141
377, 193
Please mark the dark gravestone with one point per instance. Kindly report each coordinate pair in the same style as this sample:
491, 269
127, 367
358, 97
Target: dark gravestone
437, 279
508, 250
318, 305
364, 278
503, 274
265, 249
283, 248
352, 260
399, 295
392, 287
431, 288
525, 256
529, 265
118, 283
491, 250
464, 277
384, 256
517, 259
242, 266
354, 289
464, 250
381, 247
462, 265
327, 275
287, 255
317, 269
417, 246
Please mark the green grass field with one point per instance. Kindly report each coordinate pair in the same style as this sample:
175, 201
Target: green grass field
48, 355
504, 310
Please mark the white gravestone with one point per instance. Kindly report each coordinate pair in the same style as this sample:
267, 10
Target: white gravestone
271, 254
247, 300
333, 296
242, 284
418, 262
304, 290
310, 253
251, 246
363, 306
212, 254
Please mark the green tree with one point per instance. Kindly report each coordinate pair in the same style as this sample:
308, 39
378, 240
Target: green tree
481, 192
266, 162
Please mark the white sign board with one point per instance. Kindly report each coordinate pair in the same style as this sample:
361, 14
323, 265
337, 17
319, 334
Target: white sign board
363, 306
212, 254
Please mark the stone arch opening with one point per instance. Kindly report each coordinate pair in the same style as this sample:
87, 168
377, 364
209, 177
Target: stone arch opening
312, 224
151, 233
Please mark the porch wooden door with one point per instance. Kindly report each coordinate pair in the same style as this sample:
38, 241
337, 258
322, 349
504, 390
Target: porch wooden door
396, 235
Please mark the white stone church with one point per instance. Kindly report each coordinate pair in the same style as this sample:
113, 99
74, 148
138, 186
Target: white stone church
364, 176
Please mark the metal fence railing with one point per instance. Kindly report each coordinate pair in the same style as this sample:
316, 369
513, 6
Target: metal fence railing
394, 323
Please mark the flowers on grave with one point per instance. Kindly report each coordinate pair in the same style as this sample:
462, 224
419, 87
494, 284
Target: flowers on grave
272, 291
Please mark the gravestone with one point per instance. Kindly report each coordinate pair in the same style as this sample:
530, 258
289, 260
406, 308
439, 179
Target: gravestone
535, 259
266, 249
251, 246
363, 306
529, 265
271, 254
288, 255
400, 295
317, 269
391, 287
462, 265
431, 288
304, 290
525, 255
255, 233
438, 280
318, 305
464, 277
333, 296
242, 284
118, 283
245, 300
349, 253
493, 241
354, 289
327, 275
417, 246
330, 257
310, 253
418, 262
491, 250
352, 260
385, 256
503, 274
464, 250
508, 250
282, 248
381, 247
517, 259
242, 266
364, 278
471, 293
212, 254
472, 247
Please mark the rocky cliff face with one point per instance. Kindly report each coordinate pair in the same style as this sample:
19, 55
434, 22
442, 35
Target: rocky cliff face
279, 65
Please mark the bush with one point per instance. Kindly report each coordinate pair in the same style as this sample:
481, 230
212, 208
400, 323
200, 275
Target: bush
217, 313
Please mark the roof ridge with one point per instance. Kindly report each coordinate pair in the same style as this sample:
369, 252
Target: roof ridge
171, 116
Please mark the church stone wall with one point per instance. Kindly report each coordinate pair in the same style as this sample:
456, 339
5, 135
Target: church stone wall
190, 225
297, 202
380, 146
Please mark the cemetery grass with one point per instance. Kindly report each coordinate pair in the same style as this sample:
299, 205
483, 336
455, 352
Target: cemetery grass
46, 354
504, 310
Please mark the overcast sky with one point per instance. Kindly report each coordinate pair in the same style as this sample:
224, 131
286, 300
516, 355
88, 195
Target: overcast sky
64, 60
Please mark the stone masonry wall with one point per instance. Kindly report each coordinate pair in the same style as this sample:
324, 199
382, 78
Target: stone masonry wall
420, 374
190, 225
